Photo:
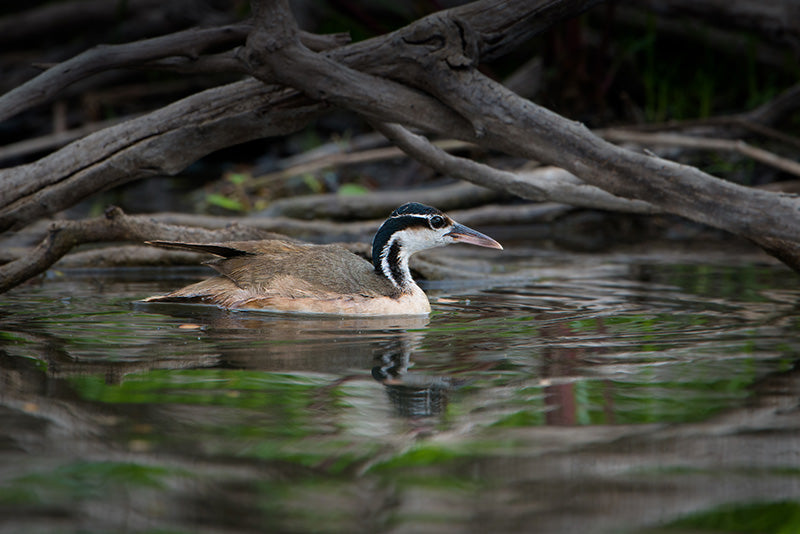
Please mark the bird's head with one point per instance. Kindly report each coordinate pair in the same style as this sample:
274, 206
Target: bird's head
414, 227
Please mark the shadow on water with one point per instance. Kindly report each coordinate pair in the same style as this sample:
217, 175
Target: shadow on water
595, 396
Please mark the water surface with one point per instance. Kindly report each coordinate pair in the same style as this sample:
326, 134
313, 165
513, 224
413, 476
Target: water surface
558, 394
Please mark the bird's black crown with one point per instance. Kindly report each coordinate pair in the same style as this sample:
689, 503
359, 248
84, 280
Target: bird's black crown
415, 208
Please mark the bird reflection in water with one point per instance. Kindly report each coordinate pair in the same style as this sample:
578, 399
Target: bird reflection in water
324, 344
412, 394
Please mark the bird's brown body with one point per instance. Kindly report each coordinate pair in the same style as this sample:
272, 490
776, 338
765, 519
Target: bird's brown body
281, 276
289, 277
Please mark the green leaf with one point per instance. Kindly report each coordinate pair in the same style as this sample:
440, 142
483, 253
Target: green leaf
352, 190
222, 201
312, 182
238, 178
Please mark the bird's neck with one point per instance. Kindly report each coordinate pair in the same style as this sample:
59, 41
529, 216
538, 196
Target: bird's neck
390, 257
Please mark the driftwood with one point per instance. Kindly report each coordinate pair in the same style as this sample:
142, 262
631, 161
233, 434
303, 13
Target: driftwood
63, 236
439, 55
378, 205
166, 141
423, 76
703, 143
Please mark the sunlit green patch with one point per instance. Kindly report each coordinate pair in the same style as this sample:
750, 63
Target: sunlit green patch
420, 456
82, 480
604, 402
756, 518
12, 337
333, 456
522, 418
218, 387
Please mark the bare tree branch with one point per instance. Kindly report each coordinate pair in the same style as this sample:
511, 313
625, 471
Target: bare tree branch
702, 143
114, 226
163, 142
53, 140
167, 140
182, 48
438, 55
422, 76
542, 184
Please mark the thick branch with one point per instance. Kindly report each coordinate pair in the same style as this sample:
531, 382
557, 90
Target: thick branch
114, 226
183, 50
167, 140
702, 143
437, 56
189, 43
159, 143
542, 184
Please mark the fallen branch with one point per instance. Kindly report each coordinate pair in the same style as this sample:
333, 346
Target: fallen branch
438, 54
541, 184
114, 226
159, 143
702, 143
177, 50
46, 86
166, 141
54, 140
338, 159
379, 204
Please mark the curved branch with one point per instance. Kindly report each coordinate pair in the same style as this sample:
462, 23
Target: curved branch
437, 58
180, 51
169, 139
162, 142
189, 43
702, 143
542, 184
114, 226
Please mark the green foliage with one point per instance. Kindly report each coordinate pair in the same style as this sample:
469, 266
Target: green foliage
313, 183
419, 456
218, 387
82, 480
521, 418
756, 518
352, 190
689, 78
221, 201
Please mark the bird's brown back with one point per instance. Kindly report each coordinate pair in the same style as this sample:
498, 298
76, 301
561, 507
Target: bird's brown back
274, 267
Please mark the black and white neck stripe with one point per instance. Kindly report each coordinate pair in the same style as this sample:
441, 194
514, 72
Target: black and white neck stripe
395, 242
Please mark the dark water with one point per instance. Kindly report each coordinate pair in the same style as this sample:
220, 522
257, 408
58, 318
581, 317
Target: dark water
590, 394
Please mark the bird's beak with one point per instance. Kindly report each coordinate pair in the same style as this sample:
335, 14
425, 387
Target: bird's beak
463, 234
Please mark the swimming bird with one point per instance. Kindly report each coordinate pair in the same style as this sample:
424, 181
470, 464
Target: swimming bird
281, 276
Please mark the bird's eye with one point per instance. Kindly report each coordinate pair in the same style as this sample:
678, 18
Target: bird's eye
437, 221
